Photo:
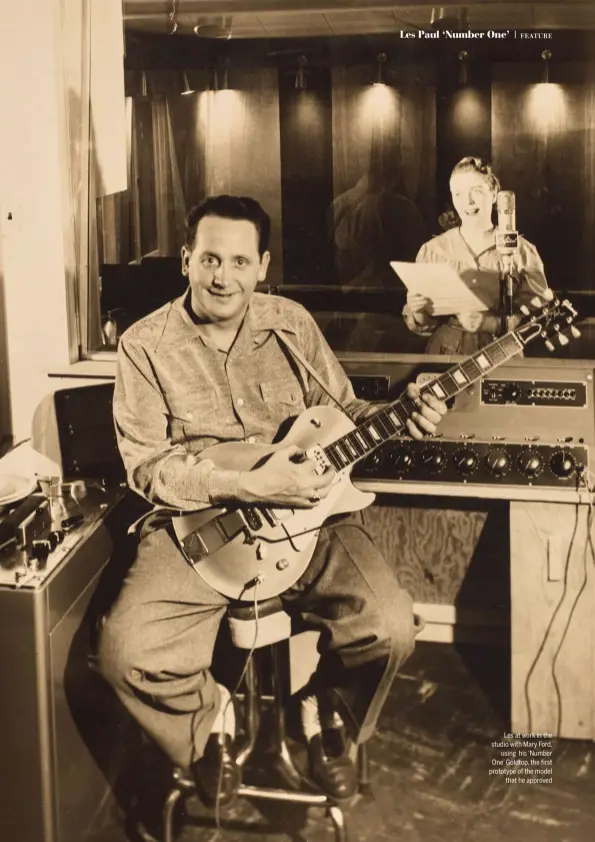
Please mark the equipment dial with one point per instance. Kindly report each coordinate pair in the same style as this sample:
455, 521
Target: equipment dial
498, 462
378, 460
563, 464
465, 461
510, 392
433, 459
530, 462
401, 459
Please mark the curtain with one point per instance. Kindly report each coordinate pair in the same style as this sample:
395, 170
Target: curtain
384, 141
542, 148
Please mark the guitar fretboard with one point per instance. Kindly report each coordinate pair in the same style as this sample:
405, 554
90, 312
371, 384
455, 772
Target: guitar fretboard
391, 420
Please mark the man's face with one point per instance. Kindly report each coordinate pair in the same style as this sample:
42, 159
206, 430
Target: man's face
223, 269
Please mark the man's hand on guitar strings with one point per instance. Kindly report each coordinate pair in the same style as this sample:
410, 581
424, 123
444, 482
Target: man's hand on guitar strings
286, 481
428, 415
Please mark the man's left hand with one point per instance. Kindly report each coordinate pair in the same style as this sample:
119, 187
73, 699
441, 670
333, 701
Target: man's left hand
428, 415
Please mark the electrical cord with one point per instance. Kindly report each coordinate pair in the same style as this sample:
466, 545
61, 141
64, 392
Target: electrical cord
230, 701
558, 607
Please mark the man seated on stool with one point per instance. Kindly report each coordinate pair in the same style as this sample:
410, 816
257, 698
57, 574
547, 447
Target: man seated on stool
207, 368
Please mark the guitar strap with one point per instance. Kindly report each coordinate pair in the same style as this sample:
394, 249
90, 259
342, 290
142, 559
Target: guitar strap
299, 357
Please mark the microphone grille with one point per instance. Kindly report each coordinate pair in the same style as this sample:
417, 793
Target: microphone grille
505, 201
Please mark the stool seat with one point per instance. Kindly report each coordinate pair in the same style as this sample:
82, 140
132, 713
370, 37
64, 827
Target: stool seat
253, 626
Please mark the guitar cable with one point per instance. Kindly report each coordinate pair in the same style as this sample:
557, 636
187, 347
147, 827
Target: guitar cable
232, 697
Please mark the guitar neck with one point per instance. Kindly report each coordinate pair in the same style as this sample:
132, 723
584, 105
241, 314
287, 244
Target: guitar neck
391, 420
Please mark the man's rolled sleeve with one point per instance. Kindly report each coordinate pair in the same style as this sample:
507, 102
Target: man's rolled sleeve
161, 472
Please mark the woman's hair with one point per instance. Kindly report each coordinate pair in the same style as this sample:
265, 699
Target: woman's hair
450, 218
471, 164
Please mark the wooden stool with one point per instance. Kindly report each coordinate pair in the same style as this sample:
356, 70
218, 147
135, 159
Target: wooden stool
272, 630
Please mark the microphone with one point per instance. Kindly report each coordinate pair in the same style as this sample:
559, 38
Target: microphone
507, 237
507, 245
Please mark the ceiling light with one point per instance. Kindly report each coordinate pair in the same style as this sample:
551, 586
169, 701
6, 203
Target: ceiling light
300, 76
545, 68
380, 62
187, 87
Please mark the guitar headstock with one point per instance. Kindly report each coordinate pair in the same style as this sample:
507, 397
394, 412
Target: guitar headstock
550, 319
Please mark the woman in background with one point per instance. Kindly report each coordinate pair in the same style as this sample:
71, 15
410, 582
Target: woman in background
471, 248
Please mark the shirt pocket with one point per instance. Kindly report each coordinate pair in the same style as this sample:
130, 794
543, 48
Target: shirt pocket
282, 399
192, 416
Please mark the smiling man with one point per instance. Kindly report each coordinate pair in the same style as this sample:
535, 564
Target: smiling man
212, 367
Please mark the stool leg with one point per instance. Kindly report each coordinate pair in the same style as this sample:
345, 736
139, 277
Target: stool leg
363, 768
338, 820
168, 814
278, 654
251, 713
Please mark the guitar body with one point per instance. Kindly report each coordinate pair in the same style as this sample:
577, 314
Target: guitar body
263, 562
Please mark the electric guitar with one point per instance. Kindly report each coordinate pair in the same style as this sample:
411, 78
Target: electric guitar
255, 552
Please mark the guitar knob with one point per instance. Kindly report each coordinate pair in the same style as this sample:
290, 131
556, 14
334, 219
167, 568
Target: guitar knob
282, 564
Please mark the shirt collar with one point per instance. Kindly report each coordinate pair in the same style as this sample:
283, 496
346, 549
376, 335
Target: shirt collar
265, 313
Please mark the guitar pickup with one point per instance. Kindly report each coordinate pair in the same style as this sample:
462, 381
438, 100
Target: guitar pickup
270, 517
253, 519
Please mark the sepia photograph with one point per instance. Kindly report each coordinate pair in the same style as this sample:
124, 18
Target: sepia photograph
297, 421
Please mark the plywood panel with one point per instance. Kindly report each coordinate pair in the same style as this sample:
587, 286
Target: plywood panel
553, 606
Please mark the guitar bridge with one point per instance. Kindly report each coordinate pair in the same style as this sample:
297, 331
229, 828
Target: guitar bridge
317, 456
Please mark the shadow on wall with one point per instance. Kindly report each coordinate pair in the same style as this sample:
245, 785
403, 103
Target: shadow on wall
5, 413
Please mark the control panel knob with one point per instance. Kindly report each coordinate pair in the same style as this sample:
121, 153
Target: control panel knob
377, 460
530, 462
563, 464
465, 461
498, 462
433, 459
401, 459
510, 393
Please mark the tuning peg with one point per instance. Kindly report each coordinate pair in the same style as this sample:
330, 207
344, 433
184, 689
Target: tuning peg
524, 310
563, 340
535, 301
548, 294
549, 345
575, 331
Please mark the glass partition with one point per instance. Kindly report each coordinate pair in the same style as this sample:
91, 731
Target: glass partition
348, 141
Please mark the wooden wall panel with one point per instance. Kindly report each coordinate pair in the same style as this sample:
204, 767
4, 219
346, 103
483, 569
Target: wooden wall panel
242, 149
553, 604
543, 148
445, 552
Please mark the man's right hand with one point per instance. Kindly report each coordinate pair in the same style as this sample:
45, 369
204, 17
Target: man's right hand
285, 480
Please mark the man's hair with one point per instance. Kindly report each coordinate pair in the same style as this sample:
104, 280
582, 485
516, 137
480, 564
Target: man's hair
231, 207
471, 164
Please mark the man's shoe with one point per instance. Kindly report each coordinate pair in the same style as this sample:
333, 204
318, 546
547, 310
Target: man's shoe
216, 775
330, 767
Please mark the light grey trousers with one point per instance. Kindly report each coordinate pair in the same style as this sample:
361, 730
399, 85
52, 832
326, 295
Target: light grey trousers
157, 643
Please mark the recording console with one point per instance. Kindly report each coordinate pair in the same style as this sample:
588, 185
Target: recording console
528, 424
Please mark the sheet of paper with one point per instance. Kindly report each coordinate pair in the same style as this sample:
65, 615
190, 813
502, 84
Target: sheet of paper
441, 284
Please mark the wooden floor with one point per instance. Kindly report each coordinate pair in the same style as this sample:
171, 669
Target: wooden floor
430, 763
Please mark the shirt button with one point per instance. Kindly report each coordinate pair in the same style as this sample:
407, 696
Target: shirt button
240, 401
251, 439
474, 281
